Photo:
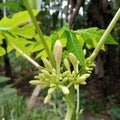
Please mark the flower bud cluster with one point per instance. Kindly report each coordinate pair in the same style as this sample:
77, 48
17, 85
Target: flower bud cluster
55, 79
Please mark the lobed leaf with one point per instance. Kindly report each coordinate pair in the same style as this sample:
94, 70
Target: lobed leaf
17, 19
73, 46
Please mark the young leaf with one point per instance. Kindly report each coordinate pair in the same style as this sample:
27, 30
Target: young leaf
74, 47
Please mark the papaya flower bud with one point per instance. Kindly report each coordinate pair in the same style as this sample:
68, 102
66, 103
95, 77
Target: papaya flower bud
57, 52
66, 63
86, 75
81, 79
83, 83
46, 73
84, 51
35, 82
66, 73
47, 98
51, 90
64, 79
64, 89
40, 76
74, 61
81, 111
47, 65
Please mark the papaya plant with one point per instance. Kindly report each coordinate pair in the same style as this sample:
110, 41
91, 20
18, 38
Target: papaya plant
64, 69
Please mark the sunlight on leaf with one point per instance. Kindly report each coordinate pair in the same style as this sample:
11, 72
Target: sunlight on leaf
2, 51
17, 19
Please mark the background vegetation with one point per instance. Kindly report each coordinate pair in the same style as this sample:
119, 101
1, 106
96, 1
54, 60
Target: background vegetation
100, 97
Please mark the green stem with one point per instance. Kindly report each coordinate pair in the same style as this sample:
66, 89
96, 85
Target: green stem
70, 101
103, 38
26, 56
29, 9
78, 102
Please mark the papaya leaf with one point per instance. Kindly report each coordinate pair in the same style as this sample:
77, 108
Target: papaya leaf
27, 31
92, 36
73, 46
21, 43
2, 51
17, 19
1, 37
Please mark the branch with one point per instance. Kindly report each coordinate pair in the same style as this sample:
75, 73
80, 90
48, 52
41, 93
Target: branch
74, 14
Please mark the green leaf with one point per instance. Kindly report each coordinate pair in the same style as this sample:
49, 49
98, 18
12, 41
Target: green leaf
2, 51
17, 19
74, 47
22, 43
1, 37
27, 31
93, 35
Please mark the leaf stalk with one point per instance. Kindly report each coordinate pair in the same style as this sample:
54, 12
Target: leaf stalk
103, 38
29, 9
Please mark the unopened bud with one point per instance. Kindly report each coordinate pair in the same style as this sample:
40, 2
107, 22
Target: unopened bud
74, 61
47, 65
35, 82
66, 73
66, 63
64, 79
64, 89
47, 98
40, 76
46, 73
81, 111
86, 75
81, 79
51, 90
58, 52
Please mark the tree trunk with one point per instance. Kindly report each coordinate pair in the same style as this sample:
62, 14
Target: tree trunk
75, 6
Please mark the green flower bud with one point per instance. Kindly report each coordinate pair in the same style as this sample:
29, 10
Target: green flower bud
47, 98
81, 79
65, 79
51, 90
66, 63
54, 70
66, 73
46, 73
81, 111
58, 52
35, 82
84, 51
52, 85
64, 89
87, 68
86, 75
40, 76
92, 65
83, 83
89, 72
47, 65
54, 76
74, 61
